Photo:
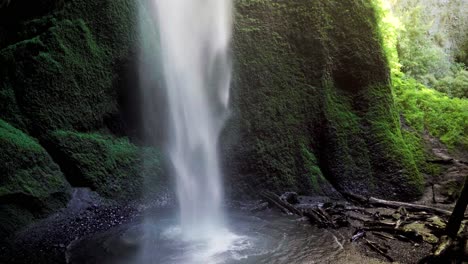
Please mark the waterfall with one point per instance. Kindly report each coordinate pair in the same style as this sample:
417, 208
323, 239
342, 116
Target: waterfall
194, 39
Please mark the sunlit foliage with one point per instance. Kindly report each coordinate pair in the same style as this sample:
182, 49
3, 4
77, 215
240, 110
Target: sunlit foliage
418, 67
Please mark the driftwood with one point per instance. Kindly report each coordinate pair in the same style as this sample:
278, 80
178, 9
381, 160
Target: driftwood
395, 204
282, 205
320, 217
357, 209
274, 202
380, 224
358, 218
441, 161
383, 224
399, 233
374, 246
383, 235
409, 206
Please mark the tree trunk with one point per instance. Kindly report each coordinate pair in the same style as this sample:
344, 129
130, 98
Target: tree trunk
458, 212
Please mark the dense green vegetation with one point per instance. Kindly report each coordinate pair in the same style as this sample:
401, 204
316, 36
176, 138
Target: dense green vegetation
426, 109
430, 43
60, 84
429, 87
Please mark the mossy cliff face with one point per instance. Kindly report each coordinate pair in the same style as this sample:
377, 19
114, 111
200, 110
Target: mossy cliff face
59, 85
312, 100
58, 72
31, 184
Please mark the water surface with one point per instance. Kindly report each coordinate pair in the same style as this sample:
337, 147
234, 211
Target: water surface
266, 237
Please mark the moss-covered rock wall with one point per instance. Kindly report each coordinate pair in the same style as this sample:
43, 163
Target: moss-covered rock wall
113, 167
59, 71
31, 184
60, 86
311, 83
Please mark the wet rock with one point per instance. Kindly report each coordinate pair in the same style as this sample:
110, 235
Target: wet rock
451, 189
290, 197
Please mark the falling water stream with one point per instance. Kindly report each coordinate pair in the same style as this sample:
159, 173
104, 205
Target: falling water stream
195, 37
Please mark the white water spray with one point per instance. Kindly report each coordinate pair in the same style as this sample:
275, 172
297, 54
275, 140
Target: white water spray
194, 38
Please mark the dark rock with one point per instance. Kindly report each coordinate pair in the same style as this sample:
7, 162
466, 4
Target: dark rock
290, 197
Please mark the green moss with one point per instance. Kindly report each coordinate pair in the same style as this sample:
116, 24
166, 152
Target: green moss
16, 138
111, 166
427, 110
416, 146
385, 127
22, 158
311, 164
64, 68
304, 76
61, 71
31, 184
423, 230
274, 107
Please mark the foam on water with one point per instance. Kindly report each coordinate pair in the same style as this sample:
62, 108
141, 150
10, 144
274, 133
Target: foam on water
214, 250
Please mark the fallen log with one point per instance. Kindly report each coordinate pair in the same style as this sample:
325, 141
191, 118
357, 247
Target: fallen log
273, 202
383, 235
357, 218
374, 246
409, 206
380, 224
357, 209
283, 205
319, 217
411, 235
396, 205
